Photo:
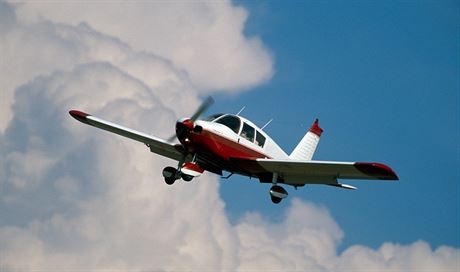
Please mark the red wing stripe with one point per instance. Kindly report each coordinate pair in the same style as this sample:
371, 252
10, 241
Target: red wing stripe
79, 115
378, 170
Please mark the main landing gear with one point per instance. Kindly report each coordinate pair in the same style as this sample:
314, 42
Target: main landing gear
277, 193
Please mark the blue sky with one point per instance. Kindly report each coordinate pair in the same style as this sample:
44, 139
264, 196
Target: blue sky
384, 80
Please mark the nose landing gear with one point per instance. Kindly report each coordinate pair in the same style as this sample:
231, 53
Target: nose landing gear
170, 175
186, 177
187, 171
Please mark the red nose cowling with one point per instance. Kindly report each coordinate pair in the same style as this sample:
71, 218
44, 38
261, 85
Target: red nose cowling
183, 129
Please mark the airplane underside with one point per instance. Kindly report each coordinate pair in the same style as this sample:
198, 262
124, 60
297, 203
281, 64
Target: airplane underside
189, 170
172, 174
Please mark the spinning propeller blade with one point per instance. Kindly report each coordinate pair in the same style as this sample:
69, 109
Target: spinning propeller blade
203, 107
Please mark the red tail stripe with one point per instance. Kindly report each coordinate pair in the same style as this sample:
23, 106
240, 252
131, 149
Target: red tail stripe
315, 128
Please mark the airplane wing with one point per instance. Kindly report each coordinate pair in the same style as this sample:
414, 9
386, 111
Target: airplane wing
156, 145
297, 172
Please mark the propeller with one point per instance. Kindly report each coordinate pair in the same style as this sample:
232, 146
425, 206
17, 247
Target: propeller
182, 126
203, 107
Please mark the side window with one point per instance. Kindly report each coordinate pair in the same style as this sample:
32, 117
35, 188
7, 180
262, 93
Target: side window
248, 132
260, 139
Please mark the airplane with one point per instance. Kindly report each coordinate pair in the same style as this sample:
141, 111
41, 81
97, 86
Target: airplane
233, 144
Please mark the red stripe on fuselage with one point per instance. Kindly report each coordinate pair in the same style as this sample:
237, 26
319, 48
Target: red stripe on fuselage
221, 147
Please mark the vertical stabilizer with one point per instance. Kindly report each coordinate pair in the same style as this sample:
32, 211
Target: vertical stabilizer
307, 146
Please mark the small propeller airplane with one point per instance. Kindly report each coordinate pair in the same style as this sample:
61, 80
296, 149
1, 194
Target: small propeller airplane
232, 143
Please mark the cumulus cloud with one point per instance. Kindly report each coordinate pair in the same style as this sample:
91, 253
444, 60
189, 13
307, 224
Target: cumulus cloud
76, 198
98, 192
39, 49
205, 38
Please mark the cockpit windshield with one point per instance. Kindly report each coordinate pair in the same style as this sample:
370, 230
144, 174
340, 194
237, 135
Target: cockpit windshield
230, 121
214, 117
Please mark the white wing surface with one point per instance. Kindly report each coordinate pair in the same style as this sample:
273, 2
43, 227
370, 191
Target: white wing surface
156, 145
296, 172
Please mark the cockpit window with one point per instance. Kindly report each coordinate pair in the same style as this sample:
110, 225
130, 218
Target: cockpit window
248, 132
260, 139
214, 117
231, 121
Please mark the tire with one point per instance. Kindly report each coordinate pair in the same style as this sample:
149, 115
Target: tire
187, 177
169, 172
170, 181
276, 200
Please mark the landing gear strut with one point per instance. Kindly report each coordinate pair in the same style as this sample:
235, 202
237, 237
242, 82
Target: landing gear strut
277, 193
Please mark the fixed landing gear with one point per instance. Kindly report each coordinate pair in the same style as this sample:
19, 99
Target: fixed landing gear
186, 177
277, 193
172, 174
187, 171
276, 200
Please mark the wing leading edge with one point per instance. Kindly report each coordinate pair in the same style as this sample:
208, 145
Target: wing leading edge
156, 145
297, 172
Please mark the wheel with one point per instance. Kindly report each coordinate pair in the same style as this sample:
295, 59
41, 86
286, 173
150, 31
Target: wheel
187, 177
276, 200
170, 181
277, 193
169, 173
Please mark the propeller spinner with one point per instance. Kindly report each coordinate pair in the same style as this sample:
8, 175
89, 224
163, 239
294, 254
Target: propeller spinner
185, 125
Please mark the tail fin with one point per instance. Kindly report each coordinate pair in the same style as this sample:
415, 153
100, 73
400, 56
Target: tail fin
307, 146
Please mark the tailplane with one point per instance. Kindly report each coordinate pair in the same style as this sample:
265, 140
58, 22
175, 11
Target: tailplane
307, 146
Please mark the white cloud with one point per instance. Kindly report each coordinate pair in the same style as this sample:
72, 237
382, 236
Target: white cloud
203, 37
76, 198
27, 167
40, 49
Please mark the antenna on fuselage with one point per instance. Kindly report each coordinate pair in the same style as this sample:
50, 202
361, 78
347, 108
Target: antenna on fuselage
268, 123
242, 109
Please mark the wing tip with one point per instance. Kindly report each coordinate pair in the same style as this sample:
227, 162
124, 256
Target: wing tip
79, 115
378, 170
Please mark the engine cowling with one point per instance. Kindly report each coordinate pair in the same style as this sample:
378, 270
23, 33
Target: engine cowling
183, 128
